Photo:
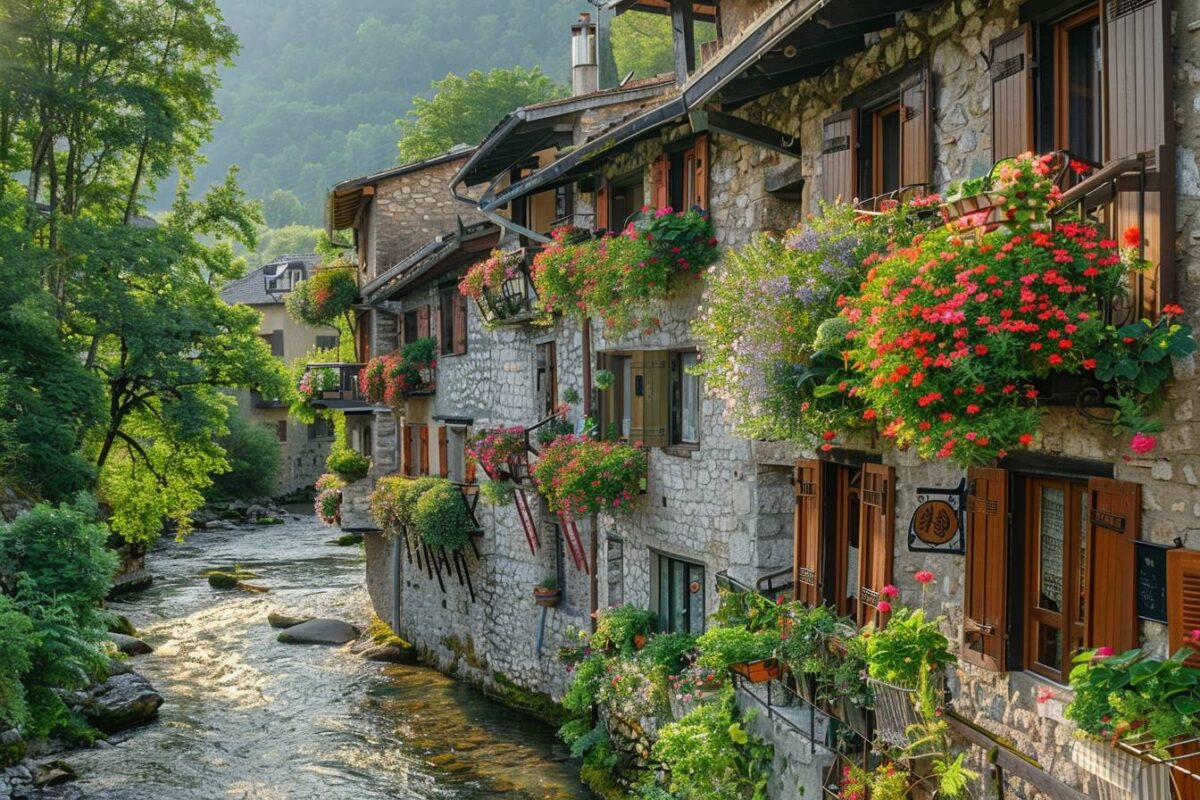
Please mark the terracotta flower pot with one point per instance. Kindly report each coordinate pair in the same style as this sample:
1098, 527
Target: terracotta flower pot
760, 671
639, 641
548, 598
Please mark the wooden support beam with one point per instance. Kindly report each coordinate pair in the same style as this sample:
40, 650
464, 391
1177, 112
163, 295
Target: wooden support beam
761, 135
683, 33
1007, 759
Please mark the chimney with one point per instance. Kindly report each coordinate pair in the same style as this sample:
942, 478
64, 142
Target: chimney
585, 68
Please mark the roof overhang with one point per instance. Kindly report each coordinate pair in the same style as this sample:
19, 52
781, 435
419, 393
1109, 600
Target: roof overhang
702, 10
346, 198
436, 258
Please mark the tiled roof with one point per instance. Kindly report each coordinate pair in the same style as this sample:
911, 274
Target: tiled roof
252, 291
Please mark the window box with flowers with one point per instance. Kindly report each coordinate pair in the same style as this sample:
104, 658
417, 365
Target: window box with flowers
328, 502
391, 378
501, 288
579, 475
622, 278
319, 383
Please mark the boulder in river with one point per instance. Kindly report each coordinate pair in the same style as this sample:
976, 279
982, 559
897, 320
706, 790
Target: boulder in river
130, 645
120, 702
320, 631
119, 623
52, 773
276, 620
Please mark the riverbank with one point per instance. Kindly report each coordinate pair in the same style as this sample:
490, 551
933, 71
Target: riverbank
249, 717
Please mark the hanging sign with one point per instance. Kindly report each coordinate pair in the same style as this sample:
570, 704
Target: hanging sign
938, 525
1151, 580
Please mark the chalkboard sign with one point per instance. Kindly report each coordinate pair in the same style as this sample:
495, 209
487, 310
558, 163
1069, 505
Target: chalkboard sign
1151, 577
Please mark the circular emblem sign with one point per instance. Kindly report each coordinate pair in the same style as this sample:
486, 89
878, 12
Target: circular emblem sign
935, 522
695, 586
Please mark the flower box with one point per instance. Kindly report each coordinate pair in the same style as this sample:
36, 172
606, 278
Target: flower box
760, 671
547, 598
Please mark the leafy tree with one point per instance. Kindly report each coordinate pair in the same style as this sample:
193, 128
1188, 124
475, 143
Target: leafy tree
282, 208
275, 242
464, 110
642, 44
255, 461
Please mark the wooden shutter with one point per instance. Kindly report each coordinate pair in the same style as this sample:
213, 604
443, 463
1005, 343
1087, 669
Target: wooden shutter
362, 349
701, 176
424, 431
459, 305
277, 344
443, 452
916, 141
1136, 42
806, 532
875, 540
985, 588
839, 155
1114, 517
648, 420
410, 460
1183, 598
602, 195
423, 322
660, 182
1012, 92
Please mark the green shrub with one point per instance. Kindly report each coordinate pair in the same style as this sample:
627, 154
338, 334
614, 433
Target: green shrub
255, 461
16, 649
668, 651
895, 652
395, 499
347, 464
720, 647
806, 648
441, 517
617, 627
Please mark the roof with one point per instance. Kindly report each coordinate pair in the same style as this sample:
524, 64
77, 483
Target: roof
534, 127
436, 257
252, 289
703, 10
345, 197
797, 39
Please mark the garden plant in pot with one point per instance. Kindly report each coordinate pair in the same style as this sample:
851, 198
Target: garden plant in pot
547, 594
736, 650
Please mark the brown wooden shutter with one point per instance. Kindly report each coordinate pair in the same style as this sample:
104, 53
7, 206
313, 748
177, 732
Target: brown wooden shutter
1114, 517
1012, 93
410, 461
1136, 42
648, 420
986, 581
660, 182
602, 195
839, 155
806, 532
701, 148
423, 322
460, 322
916, 141
443, 452
424, 431
1183, 598
875, 540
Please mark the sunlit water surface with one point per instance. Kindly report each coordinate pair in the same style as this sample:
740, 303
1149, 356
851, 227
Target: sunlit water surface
249, 717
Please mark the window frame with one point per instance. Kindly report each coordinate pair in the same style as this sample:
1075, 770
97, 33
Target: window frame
452, 321
675, 384
1059, 43
545, 376
878, 157
666, 622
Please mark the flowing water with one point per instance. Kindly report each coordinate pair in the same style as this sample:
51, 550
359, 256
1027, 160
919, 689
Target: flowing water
247, 717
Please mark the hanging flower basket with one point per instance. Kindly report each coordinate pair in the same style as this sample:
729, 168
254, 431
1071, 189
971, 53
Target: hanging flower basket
501, 288
895, 712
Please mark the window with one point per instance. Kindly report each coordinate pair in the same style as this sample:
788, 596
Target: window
677, 594
626, 198
1055, 602
685, 400
366, 442
281, 427
1076, 59
564, 202
327, 342
452, 305
635, 408
416, 324
616, 403
546, 378
274, 340
321, 430
885, 150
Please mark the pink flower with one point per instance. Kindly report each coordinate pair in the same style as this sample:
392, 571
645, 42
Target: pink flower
1103, 652
889, 591
1143, 443
923, 576
1045, 695
884, 606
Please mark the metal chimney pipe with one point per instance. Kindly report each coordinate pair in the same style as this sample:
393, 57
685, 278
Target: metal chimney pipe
585, 66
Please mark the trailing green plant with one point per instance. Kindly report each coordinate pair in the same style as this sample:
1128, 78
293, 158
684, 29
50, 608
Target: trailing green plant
618, 629
709, 755
441, 517
1133, 696
750, 610
721, 647
347, 464
395, 499
806, 648
897, 651
845, 676
579, 475
930, 740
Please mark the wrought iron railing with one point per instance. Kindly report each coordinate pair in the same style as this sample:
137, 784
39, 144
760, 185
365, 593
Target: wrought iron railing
343, 386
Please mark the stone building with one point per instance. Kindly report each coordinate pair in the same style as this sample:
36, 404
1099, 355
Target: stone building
304, 446
802, 101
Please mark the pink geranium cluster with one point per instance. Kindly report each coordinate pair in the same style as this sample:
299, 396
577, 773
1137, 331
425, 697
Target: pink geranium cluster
496, 449
579, 475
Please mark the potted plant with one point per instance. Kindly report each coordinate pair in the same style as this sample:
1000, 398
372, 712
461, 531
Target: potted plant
896, 655
347, 464
320, 382
501, 452
328, 503
441, 517
805, 649
547, 594
737, 650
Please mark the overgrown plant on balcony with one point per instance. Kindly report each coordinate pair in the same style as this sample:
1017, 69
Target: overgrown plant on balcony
496, 449
897, 651
724, 650
579, 475
328, 503
347, 464
441, 517
1135, 698
390, 378
621, 278
317, 381
498, 286
395, 499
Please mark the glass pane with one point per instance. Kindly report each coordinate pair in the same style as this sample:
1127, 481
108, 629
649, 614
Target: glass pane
1049, 647
890, 151
1050, 555
664, 594
696, 599
678, 598
690, 424
627, 395
1083, 538
1083, 90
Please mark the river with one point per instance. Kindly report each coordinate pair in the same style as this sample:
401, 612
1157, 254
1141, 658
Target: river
252, 719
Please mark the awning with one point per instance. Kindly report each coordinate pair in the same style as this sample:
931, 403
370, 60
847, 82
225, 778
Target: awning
437, 257
799, 39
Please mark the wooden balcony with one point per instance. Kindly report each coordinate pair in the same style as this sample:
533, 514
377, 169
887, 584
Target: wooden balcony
338, 388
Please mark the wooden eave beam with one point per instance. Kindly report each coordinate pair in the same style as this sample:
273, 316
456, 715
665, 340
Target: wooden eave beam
713, 120
683, 34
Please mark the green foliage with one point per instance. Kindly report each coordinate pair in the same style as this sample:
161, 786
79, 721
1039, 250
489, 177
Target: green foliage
806, 648
464, 110
578, 475
897, 651
617, 628
255, 461
16, 648
669, 651
709, 755
930, 740
282, 208
289, 239
721, 647
327, 297
1135, 360
395, 500
347, 464
642, 44
749, 610
441, 516
1134, 696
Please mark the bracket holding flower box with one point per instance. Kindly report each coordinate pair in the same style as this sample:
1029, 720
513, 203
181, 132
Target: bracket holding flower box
501, 288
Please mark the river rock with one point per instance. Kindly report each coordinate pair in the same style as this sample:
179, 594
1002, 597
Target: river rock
120, 702
222, 580
320, 631
52, 774
276, 620
119, 623
12, 747
130, 645
390, 653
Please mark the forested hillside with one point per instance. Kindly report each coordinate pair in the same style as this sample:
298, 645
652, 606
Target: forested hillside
319, 85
